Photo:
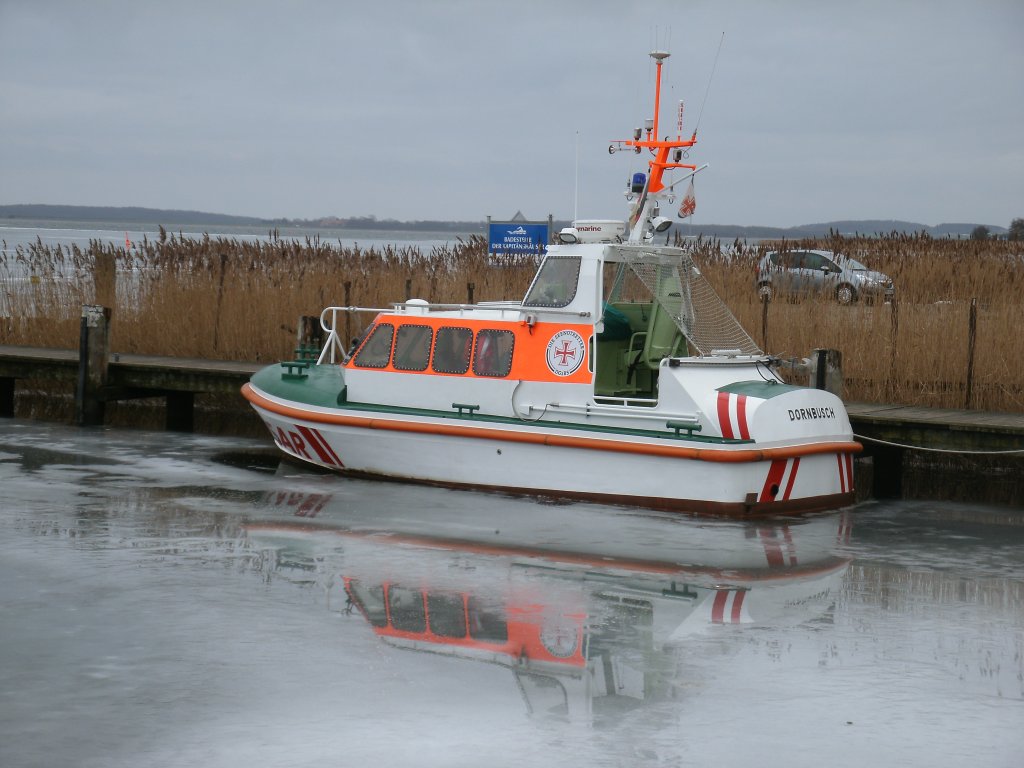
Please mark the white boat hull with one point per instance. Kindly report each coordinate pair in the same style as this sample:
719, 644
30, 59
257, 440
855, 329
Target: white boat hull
559, 463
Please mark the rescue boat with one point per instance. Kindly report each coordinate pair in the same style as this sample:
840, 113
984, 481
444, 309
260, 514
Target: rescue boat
620, 376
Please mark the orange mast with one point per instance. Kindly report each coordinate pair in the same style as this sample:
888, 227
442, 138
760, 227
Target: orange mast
666, 152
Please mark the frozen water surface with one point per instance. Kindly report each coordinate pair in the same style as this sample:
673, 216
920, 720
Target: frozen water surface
177, 600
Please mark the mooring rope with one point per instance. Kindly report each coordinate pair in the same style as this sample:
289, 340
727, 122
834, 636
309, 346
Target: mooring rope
939, 450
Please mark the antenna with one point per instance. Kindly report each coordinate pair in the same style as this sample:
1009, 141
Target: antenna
706, 90
576, 191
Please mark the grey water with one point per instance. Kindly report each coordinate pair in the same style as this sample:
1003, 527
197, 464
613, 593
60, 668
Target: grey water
180, 600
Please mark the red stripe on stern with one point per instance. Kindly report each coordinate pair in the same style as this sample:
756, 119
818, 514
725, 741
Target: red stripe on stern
774, 478
737, 606
741, 416
723, 415
792, 479
718, 606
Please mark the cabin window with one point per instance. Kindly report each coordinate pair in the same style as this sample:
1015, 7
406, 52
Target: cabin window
493, 354
376, 352
407, 614
412, 347
486, 625
370, 600
556, 282
447, 615
452, 349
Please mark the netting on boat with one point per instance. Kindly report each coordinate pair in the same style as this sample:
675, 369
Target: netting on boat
677, 286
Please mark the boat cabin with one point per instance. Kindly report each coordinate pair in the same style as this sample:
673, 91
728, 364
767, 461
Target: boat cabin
596, 326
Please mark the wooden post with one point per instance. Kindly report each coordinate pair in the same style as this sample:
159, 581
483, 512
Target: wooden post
827, 371
104, 280
311, 334
894, 330
180, 415
972, 328
408, 288
93, 357
7, 397
764, 322
887, 482
469, 292
220, 295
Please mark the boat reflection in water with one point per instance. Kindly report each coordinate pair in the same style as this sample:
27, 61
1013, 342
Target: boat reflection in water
590, 621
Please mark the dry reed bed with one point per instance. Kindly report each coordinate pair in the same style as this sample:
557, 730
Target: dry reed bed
237, 299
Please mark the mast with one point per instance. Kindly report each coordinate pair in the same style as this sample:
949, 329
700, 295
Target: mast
666, 154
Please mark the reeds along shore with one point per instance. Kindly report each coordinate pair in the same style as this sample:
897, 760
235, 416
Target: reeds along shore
233, 299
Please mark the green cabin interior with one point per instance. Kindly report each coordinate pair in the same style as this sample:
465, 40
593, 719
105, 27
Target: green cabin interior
637, 336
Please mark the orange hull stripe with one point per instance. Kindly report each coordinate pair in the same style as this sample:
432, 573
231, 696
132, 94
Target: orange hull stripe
735, 456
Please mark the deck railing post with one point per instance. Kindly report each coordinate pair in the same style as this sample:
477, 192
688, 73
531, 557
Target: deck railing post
348, 315
93, 357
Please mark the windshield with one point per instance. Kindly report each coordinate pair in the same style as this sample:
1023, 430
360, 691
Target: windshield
856, 266
555, 283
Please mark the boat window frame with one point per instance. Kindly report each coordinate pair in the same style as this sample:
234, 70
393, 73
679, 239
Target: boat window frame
399, 352
446, 615
502, 364
370, 600
467, 351
364, 349
405, 616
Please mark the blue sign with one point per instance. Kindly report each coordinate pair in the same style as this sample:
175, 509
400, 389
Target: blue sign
510, 238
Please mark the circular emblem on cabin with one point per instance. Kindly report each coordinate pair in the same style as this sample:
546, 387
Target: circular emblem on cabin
565, 353
560, 638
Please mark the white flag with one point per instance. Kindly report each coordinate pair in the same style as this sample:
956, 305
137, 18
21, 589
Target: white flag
689, 204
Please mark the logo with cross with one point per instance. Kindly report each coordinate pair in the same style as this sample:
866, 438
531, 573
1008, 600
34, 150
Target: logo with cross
565, 353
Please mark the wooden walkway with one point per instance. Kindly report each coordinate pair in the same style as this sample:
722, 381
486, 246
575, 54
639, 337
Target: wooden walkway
127, 377
144, 371
939, 428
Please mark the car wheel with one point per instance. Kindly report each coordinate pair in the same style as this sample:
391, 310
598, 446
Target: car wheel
764, 292
845, 294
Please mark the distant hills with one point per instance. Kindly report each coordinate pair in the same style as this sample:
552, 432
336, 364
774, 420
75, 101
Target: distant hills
178, 218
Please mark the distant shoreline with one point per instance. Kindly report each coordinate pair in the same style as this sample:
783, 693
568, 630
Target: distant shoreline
173, 219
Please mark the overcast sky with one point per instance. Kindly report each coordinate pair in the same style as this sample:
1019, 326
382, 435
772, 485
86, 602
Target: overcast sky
450, 109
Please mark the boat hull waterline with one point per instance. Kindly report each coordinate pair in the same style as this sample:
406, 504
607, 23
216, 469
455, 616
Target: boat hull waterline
539, 459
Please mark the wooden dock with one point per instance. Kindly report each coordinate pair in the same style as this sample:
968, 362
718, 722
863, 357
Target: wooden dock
127, 377
939, 428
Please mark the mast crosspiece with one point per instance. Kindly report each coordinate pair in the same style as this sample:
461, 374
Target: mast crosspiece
662, 150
